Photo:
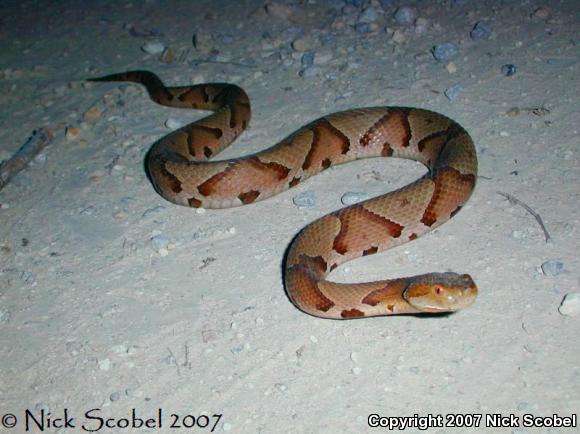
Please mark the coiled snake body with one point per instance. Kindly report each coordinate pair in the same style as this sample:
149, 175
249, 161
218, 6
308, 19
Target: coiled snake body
178, 167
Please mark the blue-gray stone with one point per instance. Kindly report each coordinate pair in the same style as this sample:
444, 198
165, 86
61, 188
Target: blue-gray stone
444, 52
307, 58
481, 30
406, 15
552, 268
508, 69
454, 91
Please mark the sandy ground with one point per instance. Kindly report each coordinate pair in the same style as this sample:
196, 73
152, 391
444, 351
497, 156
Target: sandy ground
113, 299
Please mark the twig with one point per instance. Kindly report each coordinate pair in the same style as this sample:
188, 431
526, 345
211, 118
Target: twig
515, 201
220, 62
35, 143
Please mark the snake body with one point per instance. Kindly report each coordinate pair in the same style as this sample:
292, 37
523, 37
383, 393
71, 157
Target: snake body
179, 170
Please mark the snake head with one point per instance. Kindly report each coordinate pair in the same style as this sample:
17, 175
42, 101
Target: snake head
440, 292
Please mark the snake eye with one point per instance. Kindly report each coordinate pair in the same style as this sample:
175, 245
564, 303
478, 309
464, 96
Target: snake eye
438, 290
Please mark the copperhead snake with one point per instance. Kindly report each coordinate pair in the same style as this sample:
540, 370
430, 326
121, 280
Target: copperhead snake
179, 170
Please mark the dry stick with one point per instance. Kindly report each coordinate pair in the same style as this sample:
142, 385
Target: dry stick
35, 143
515, 201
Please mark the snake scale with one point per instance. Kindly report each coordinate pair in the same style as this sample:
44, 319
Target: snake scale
179, 170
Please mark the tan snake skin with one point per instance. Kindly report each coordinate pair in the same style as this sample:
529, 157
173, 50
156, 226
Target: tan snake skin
180, 172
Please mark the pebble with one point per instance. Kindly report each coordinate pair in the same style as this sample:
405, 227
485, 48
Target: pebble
120, 215
104, 364
310, 72
161, 244
307, 59
508, 69
28, 277
92, 114
541, 13
323, 57
405, 15
421, 26
133, 393
40, 158
451, 68
115, 396
369, 15
364, 28
4, 315
453, 92
306, 199
202, 41
552, 268
304, 43
173, 124
480, 31
153, 47
398, 36
72, 133
168, 56
278, 10
444, 52
119, 349
353, 197
570, 305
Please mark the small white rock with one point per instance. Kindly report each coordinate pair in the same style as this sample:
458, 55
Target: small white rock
173, 124
104, 364
153, 47
306, 199
570, 305
356, 370
353, 197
